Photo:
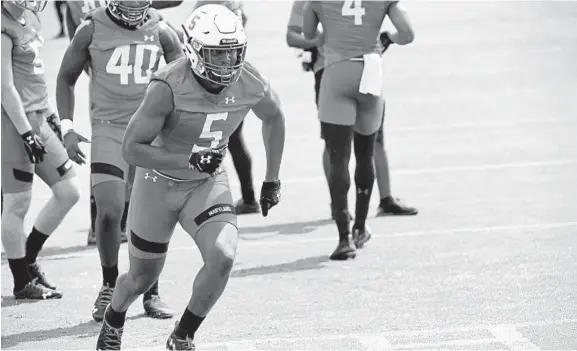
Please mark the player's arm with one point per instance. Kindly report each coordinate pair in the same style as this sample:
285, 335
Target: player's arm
310, 21
144, 127
11, 101
164, 4
294, 33
70, 24
14, 108
74, 60
273, 132
400, 19
170, 43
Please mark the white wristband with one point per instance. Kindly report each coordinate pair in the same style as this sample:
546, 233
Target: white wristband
66, 125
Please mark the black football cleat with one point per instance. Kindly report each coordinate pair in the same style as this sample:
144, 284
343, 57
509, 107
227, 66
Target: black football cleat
110, 338
243, 207
36, 291
391, 206
175, 343
361, 236
156, 308
36, 272
344, 251
102, 302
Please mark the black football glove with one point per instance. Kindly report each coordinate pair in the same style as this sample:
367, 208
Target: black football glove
54, 123
309, 65
34, 147
206, 160
269, 196
385, 41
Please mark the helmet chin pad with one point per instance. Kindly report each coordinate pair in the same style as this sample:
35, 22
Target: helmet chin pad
131, 13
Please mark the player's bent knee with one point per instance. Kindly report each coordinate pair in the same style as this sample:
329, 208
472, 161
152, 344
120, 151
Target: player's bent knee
16, 204
67, 191
220, 257
143, 249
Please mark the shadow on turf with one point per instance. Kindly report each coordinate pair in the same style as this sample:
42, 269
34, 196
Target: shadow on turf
285, 229
88, 329
48, 252
298, 265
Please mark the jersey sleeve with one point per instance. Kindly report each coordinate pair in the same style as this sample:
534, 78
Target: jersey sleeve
256, 83
296, 16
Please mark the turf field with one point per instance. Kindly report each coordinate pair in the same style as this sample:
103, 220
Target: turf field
481, 132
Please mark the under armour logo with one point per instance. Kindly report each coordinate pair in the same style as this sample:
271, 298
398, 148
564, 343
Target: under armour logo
363, 191
149, 38
228, 100
148, 176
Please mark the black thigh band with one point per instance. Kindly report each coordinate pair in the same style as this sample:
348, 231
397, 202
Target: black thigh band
147, 246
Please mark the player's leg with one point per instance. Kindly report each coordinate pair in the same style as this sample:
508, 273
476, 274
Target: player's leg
58, 173
91, 240
337, 112
17, 178
369, 116
151, 224
209, 218
243, 165
326, 159
108, 175
388, 205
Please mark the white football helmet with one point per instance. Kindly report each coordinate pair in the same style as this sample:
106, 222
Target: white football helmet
215, 44
32, 5
131, 13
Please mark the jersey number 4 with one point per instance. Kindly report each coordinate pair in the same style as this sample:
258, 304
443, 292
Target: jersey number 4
354, 8
119, 63
214, 136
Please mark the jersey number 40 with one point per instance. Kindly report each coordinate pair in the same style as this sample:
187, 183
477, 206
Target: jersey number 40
119, 63
354, 8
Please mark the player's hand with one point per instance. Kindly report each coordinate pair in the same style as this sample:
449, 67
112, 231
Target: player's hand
206, 160
385, 41
34, 147
269, 196
71, 141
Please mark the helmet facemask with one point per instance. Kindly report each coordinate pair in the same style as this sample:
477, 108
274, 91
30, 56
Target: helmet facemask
220, 64
131, 13
32, 5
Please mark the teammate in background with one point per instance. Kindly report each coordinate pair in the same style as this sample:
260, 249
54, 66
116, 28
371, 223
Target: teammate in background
177, 139
31, 143
236, 145
76, 10
294, 37
60, 13
351, 103
122, 43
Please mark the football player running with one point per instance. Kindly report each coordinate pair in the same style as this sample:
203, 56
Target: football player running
351, 103
31, 144
122, 43
76, 11
236, 145
177, 140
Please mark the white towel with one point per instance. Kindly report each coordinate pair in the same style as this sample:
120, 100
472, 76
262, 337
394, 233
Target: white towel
372, 78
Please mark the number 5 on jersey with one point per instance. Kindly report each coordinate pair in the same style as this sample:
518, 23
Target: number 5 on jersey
354, 8
119, 63
206, 133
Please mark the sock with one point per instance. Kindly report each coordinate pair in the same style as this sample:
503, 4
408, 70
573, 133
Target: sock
93, 213
109, 275
19, 269
152, 291
124, 217
115, 319
188, 325
344, 230
364, 176
34, 244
